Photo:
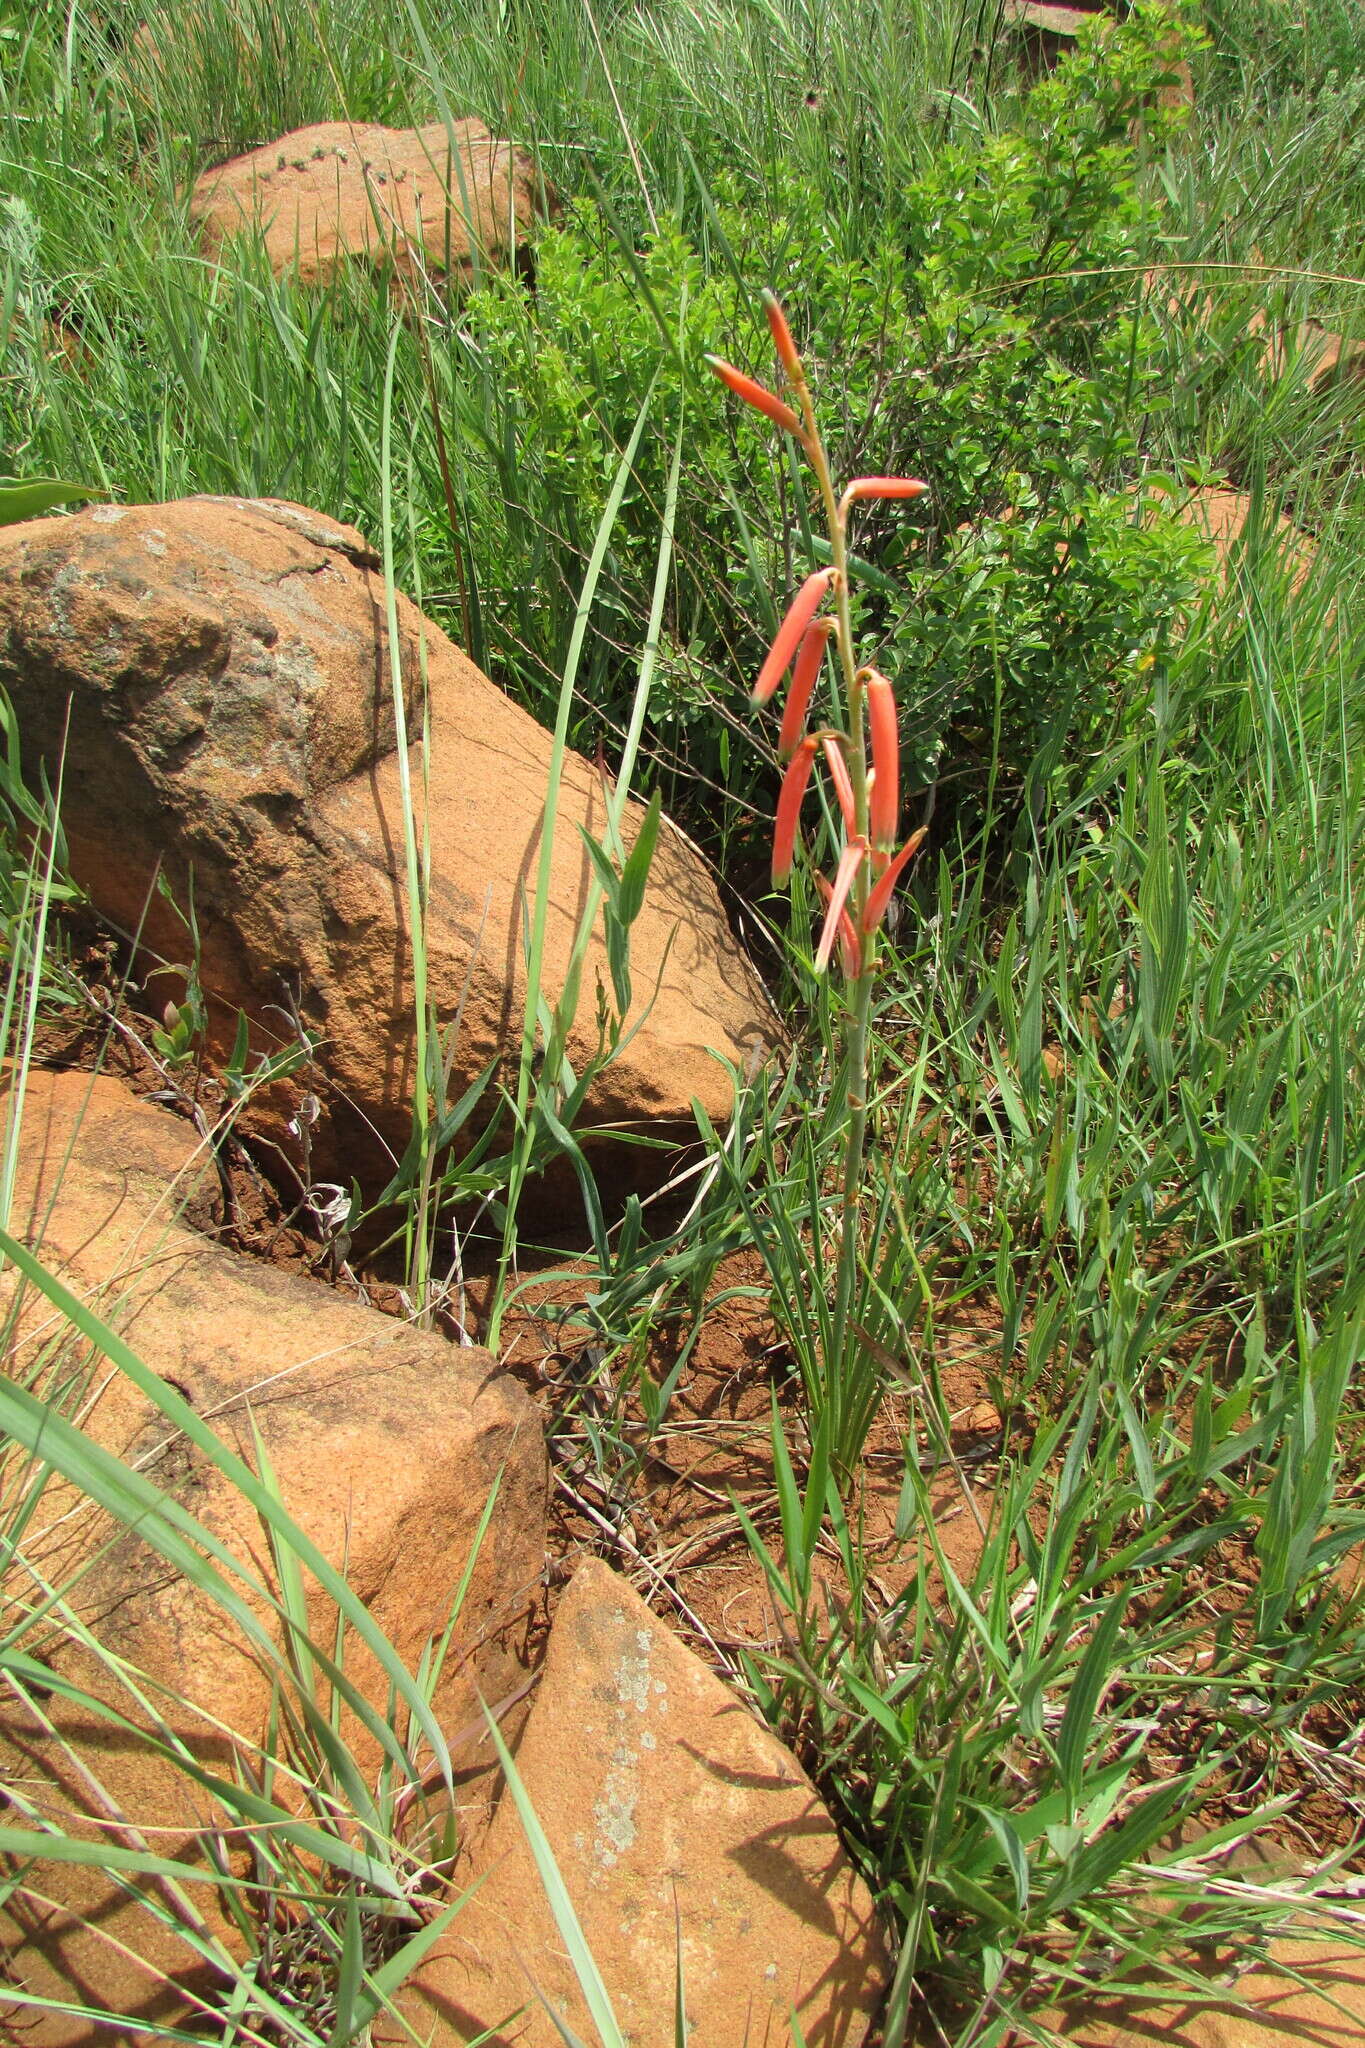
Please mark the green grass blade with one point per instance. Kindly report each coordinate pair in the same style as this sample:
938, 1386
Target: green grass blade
561, 1905
133, 1499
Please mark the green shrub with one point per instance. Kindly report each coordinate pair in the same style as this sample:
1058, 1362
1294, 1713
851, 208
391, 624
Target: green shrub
989, 334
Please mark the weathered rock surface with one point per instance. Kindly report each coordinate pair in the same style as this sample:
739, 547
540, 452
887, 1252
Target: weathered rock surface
385, 1441
1043, 33
419, 201
1063, 22
226, 667
654, 1784
1266, 2009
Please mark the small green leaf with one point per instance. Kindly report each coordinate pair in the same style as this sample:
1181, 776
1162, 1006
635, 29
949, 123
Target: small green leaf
26, 500
606, 873
561, 1905
635, 873
1096, 1669
1015, 1854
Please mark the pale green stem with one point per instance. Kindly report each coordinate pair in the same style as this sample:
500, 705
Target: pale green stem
416, 900
535, 959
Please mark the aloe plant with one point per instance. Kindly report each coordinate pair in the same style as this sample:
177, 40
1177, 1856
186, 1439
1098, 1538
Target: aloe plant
861, 752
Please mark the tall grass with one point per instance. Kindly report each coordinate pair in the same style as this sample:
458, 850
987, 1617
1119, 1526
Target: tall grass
1118, 1126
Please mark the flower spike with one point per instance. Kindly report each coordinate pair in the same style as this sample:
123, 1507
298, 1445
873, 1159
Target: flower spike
884, 797
800, 612
881, 895
789, 810
880, 487
782, 337
756, 395
808, 664
850, 860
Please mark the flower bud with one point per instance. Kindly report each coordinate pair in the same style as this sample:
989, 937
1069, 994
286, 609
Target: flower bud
838, 775
756, 395
849, 862
849, 948
789, 809
800, 612
875, 909
808, 664
782, 336
880, 487
884, 798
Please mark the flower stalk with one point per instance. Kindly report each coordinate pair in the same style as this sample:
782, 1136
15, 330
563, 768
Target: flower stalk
861, 756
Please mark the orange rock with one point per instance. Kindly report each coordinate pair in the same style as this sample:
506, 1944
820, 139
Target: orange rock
174, 43
1263, 2010
654, 1783
422, 201
1047, 31
1064, 22
1221, 517
386, 1442
226, 664
1328, 358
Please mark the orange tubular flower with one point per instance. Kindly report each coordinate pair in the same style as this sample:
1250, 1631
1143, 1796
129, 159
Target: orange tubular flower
849, 948
808, 665
881, 895
789, 810
850, 861
800, 612
782, 336
884, 798
838, 775
755, 395
880, 487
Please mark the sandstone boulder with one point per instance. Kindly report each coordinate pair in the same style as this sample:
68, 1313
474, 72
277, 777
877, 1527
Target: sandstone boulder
1055, 20
1044, 31
655, 1784
1221, 516
224, 668
386, 1443
429, 202
1328, 360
